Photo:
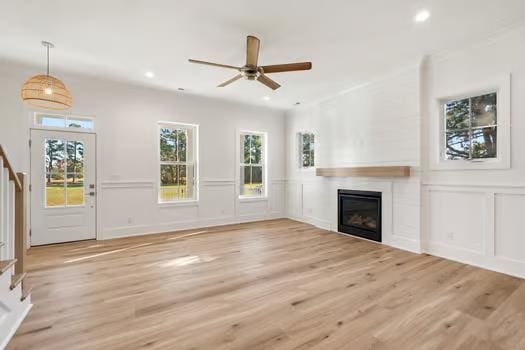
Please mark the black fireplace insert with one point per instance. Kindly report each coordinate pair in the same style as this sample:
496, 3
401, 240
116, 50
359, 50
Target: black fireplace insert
359, 213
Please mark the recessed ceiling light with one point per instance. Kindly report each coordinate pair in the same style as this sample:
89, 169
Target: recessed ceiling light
149, 75
422, 16
266, 98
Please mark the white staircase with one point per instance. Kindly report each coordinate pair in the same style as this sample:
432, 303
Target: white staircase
15, 298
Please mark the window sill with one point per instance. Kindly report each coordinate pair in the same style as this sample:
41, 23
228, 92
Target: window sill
492, 164
253, 199
186, 203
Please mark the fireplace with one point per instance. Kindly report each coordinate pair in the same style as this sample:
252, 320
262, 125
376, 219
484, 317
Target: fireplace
360, 213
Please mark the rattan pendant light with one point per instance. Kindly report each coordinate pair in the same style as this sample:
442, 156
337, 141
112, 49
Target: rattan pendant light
46, 91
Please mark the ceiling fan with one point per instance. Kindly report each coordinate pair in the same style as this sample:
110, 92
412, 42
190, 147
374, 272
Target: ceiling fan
251, 71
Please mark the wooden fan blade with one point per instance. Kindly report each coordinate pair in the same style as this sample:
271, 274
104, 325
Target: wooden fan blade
252, 50
228, 82
288, 67
214, 64
268, 82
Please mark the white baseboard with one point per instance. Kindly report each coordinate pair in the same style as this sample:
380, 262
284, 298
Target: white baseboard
493, 263
324, 224
404, 243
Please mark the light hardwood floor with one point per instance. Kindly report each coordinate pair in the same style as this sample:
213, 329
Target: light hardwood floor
270, 285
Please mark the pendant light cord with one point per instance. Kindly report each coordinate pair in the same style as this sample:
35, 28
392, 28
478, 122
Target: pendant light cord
47, 46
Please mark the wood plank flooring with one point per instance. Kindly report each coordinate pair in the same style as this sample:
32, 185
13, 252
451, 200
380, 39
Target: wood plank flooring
274, 285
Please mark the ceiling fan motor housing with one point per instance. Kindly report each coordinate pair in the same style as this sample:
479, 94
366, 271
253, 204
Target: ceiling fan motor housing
250, 72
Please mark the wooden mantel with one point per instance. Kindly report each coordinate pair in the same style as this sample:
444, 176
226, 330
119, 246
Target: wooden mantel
365, 171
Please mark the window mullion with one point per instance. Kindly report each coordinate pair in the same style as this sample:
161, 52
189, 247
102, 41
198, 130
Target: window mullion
471, 133
66, 158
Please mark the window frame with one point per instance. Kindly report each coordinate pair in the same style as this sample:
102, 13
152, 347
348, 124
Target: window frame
66, 117
195, 163
500, 86
264, 165
300, 150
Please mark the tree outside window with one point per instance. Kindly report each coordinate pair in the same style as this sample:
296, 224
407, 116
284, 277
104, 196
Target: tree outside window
306, 150
471, 128
252, 165
177, 164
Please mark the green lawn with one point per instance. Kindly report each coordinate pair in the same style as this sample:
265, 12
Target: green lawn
55, 194
171, 192
251, 190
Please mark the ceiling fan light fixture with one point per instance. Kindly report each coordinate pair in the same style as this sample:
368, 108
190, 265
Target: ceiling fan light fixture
46, 91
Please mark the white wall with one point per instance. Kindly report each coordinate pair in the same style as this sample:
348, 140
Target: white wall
476, 216
374, 124
126, 123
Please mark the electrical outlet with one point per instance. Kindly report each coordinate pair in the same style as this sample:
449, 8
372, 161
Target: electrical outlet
130, 220
450, 236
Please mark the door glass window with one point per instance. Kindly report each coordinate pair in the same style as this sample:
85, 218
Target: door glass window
64, 162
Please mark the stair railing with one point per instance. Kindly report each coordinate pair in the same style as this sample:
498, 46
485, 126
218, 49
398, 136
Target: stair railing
13, 213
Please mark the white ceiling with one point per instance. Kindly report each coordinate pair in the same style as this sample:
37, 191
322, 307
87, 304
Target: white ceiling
348, 41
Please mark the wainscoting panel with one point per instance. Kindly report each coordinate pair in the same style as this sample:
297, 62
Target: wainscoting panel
478, 225
217, 199
451, 218
130, 207
317, 202
248, 207
406, 209
277, 197
509, 216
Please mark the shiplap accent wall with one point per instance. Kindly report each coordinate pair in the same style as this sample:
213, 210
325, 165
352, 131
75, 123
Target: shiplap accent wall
374, 124
471, 216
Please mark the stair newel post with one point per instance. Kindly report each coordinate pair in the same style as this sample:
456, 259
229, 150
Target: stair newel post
21, 233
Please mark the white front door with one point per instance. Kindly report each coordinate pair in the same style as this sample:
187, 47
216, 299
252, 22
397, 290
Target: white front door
63, 201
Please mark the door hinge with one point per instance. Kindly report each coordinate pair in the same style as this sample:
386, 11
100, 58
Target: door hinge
30, 233
30, 187
30, 142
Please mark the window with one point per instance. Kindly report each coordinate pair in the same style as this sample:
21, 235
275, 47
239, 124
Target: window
64, 162
64, 121
252, 164
178, 154
471, 128
306, 150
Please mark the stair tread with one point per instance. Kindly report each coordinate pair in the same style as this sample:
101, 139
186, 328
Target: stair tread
26, 292
6, 264
17, 279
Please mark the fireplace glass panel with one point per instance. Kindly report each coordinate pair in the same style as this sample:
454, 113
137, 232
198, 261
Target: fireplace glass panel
360, 212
